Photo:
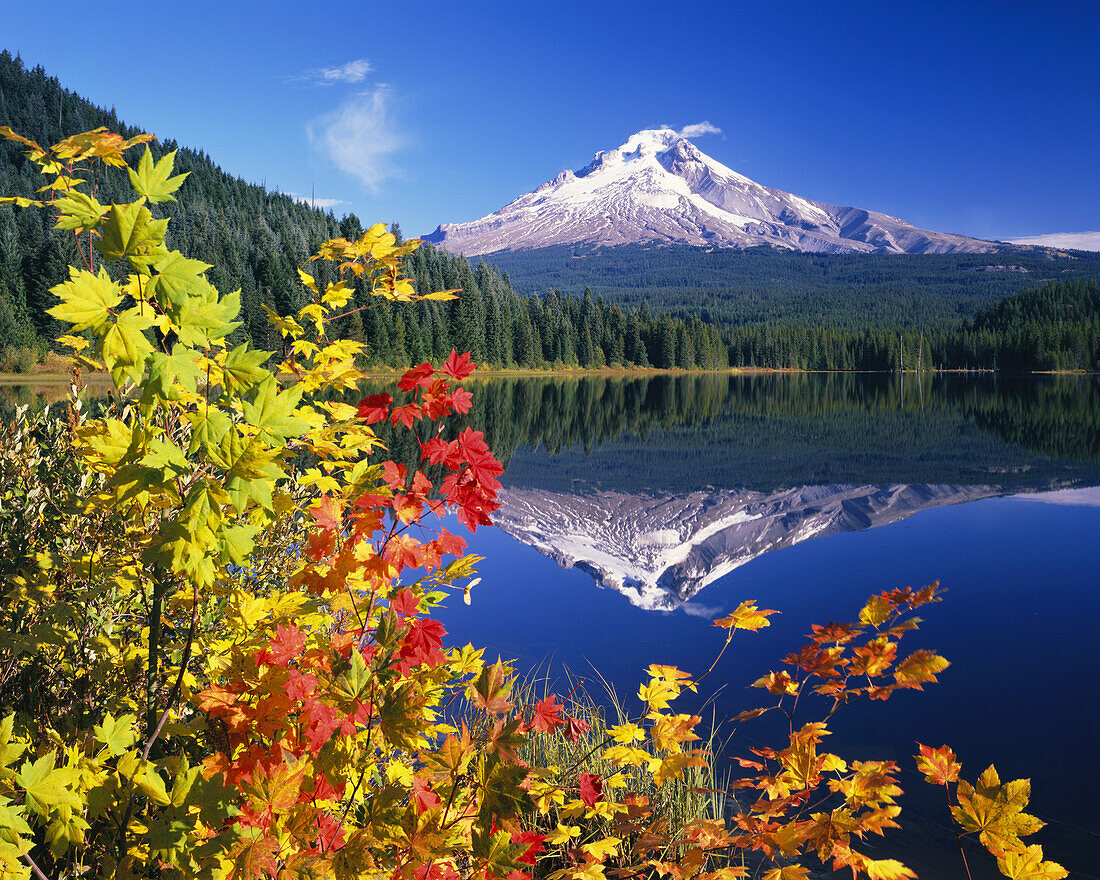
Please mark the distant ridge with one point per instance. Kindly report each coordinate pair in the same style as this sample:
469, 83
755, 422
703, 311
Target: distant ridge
659, 187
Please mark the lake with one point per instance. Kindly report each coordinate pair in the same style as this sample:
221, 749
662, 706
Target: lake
636, 511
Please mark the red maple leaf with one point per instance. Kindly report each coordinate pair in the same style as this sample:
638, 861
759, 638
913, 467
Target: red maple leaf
406, 603
418, 375
534, 845
440, 451
394, 474
423, 643
575, 727
448, 543
321, 722
458, 366
403, 551
460, 400
406, 415
407, 508
300, 687
547, 716
320, 545
327, 512
591, 787
422, 796
286, 646
375, 408
435, 870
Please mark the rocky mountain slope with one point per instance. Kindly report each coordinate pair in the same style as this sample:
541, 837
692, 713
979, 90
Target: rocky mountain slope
660, 550
659, 187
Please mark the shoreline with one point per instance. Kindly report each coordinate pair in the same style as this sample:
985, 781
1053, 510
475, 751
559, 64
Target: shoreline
53, 378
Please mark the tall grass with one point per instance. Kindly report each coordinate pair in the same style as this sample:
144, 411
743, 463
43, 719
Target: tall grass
698, 794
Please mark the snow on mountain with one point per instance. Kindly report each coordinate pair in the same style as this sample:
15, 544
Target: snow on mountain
659, 551
659, 187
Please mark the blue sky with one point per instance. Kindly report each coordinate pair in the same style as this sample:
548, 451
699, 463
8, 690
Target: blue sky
975, 117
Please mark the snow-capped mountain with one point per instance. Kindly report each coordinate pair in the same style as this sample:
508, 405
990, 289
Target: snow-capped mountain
660, 550
659, 187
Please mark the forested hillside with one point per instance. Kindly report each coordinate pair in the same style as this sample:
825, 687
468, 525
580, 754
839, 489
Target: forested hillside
758, 285
1053, 327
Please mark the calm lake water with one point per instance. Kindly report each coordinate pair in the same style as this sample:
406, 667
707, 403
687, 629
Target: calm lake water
637, 511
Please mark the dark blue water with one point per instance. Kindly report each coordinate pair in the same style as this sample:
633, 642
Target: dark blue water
1018, 622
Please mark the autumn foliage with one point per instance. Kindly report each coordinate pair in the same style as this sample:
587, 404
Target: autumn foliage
224, 663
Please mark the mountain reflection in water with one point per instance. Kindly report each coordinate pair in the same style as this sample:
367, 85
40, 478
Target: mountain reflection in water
659, 486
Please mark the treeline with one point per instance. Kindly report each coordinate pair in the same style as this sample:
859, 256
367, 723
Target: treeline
254, 239
502, 329
1054, 327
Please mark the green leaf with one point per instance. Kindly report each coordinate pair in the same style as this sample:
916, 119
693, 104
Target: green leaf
12, 821
156, 182
205, 317
208, 429
168, 373
176, 278
185, 553
86, 299
124, 347
202, 510
116, 735
167, 458
272, 412
353, 682
10, 747
243, 368
130, 230
64, 831
78, 211
45, 786
185, 779
237, 543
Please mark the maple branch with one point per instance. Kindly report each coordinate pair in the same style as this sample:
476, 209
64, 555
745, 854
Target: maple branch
955, 825
37, 870
173, 696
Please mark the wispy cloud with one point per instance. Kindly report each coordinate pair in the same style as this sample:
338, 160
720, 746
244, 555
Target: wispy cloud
708, 611
352, 72
359, 136
315, 202
697, 129
1081, 241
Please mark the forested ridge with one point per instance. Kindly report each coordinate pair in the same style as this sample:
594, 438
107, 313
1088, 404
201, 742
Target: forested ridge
255, 240
789, 288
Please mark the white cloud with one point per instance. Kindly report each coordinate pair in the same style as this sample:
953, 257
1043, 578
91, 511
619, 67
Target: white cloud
697, 129
352, 72
1081, 241
710, 612
359, 137
317, 203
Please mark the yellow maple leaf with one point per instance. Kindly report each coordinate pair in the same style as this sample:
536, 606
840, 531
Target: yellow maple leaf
747, 616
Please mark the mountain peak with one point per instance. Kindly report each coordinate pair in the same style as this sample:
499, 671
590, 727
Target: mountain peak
659, 187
